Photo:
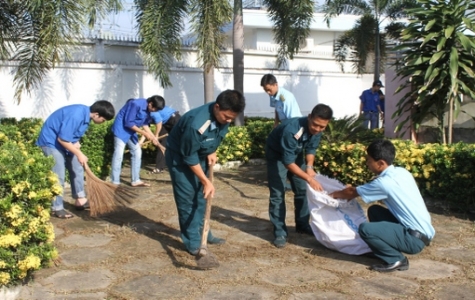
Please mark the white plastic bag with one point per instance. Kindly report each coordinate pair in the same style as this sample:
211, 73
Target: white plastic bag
335, 222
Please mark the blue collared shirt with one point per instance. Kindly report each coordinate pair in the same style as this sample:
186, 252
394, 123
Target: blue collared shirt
398, 190
69, 123
285, 104
162, 115
133, 113
370, 100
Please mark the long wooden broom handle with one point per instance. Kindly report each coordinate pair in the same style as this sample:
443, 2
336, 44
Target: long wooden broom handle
158, 138
204, 236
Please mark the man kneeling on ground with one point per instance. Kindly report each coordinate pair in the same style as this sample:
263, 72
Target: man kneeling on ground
405, 225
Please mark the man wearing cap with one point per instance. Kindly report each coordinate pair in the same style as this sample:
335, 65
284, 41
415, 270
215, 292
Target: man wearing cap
370, 105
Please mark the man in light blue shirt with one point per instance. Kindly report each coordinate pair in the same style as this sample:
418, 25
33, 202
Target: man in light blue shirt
284, 102
405, 225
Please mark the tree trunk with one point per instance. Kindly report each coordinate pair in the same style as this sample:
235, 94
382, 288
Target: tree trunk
450, 122
238, 54
377, 53
208, 78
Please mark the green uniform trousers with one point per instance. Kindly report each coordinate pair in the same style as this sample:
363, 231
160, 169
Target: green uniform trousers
189, 200
277, 174
387, 237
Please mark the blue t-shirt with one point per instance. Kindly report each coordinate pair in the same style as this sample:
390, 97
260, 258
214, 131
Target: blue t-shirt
398, 190
134, 112
69, 123
285, 104
370, 100
162, 115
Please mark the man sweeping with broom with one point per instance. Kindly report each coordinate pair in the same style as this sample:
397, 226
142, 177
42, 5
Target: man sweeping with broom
191, 151
59, 138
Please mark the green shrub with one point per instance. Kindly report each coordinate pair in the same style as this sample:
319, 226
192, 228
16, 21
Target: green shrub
441, 171
27, 187
235, 146
258, 132
98, 145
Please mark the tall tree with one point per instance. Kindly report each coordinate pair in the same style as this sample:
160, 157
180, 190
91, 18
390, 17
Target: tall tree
37, 35
365, 38
438, 60
238, 54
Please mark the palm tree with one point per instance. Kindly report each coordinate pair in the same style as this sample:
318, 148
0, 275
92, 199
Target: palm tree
438, 60
38, 36
365, 37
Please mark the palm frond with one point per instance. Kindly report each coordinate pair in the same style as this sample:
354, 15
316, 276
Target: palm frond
208, 17
291, 25
160, 26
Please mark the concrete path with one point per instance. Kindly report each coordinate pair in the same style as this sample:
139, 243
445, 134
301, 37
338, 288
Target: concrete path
137, 254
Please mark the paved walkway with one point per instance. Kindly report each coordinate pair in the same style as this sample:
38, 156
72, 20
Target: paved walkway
137, 254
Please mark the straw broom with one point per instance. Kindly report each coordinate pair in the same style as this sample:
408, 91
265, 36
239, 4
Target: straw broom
105, 197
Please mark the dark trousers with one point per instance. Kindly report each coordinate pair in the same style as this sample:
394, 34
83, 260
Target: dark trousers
277, 174
166, 128
189, 200
387, 237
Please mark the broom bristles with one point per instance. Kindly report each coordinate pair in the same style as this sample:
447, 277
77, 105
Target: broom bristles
105, 197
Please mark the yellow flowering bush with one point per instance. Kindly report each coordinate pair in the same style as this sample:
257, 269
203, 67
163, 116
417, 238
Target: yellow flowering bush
441, 171
27, 187
236, 145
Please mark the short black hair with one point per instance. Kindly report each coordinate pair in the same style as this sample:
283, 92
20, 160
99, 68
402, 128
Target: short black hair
322, 111
268, 79
103, 108
232, 100
157, 102
382, 149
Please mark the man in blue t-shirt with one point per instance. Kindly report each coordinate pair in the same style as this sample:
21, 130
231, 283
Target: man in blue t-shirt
164, 120
404, 225
370, 105
59, 137
284, 102
133, 118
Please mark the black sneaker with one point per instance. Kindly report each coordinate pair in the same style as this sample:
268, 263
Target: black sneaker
306, 230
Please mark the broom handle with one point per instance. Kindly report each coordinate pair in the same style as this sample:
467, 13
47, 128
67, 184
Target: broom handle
148, 142
204, 236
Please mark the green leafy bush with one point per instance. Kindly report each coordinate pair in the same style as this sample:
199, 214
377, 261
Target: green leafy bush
235, 146
441, 171
98, 145
27, 187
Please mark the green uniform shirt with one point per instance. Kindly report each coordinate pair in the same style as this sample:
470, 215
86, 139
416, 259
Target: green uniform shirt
290, 139
196, 135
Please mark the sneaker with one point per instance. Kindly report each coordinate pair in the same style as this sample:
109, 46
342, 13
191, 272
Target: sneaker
194, 252
280, 241
306, 230
216, 241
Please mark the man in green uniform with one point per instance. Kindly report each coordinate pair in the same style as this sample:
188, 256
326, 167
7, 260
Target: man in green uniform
191, 150
285, 149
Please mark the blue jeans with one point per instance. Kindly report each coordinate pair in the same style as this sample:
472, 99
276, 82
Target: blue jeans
135, 160
372, 119
62, 161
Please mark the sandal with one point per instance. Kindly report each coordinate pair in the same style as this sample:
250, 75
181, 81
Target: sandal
156, 171
82, 207
140, 184
62, 214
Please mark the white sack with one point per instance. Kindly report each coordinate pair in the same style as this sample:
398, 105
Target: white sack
335, 222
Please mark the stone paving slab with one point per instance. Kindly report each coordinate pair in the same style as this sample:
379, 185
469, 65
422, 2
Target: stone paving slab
137, 253
68, 281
